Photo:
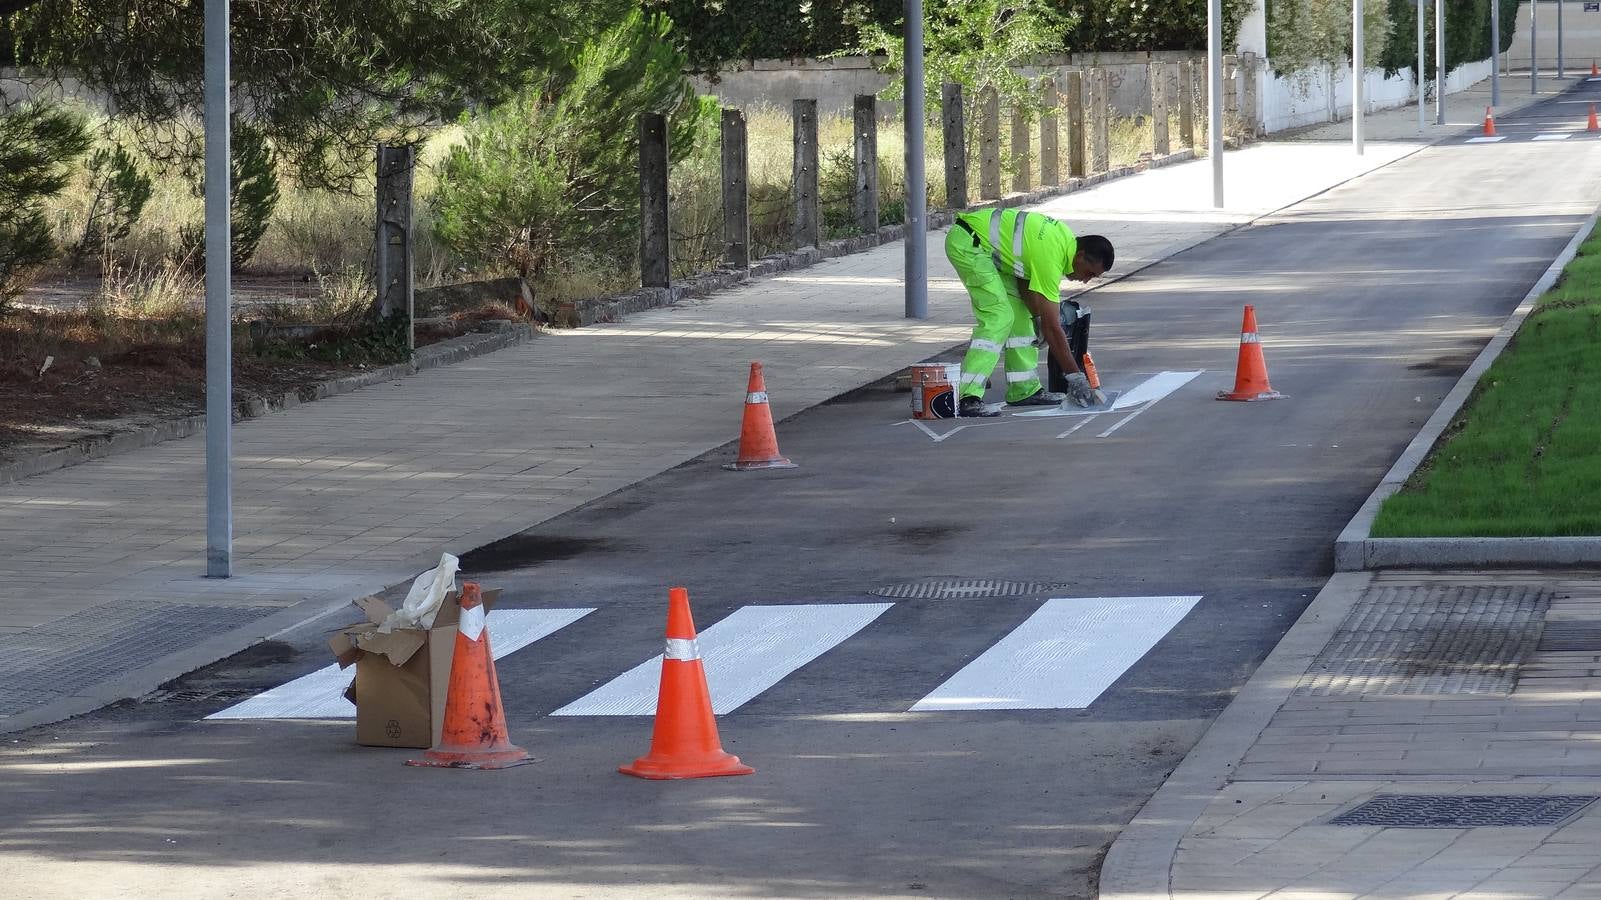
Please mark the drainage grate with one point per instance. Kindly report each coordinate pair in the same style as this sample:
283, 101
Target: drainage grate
967, 589
214, 695
1460, 811
1439, 639
1571, 636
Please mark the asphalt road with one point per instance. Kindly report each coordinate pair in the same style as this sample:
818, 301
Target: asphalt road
1371, 298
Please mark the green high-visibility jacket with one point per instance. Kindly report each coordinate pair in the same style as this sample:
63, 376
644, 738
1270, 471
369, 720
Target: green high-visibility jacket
1040, 254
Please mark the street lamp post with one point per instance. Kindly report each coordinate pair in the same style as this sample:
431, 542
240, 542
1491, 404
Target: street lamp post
916, 178
219, 346
1214, 96
1358, 67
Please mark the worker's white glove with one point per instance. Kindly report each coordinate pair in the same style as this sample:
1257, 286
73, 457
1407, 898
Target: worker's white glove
1080, 392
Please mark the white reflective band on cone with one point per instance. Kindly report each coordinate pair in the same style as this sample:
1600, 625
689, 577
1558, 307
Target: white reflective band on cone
986, 346
1015, 377
756, 397
1249, 337
681, 649
472, 623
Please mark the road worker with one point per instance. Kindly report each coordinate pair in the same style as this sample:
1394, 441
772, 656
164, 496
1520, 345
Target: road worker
1012, 263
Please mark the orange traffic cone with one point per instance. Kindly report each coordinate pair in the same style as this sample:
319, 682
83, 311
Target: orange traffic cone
474, 735
684, 743
758, 445
1489, 122
1089, 371
1592, 125
1593, 70
1250, 377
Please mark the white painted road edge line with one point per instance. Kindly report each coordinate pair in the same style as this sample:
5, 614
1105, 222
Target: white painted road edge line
1077, 427
745, 654
1062, 657
321, 694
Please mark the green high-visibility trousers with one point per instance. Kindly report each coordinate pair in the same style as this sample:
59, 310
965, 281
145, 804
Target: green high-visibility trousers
1005, 325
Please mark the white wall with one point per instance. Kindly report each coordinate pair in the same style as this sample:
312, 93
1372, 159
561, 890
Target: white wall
1315, 97
1581, 37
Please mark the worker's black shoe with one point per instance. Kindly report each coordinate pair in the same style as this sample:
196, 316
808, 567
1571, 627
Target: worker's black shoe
1041, 397
976, 408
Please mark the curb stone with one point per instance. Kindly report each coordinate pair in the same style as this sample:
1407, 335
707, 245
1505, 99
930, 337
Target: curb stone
1355, 549
444, 353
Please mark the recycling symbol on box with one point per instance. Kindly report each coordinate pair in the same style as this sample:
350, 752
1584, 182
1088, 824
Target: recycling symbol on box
392, 728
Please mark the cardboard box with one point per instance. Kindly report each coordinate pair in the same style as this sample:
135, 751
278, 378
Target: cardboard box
402, 676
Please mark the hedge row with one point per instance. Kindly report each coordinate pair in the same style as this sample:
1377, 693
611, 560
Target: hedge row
1467, 33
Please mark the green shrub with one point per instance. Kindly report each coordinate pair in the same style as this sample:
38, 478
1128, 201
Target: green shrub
556, 167
38, 145
251, 202
119, 188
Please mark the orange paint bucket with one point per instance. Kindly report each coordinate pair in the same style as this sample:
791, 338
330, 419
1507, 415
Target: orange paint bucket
934, 390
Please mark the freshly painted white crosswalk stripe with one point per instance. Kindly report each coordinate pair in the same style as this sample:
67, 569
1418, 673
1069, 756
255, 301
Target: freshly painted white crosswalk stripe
1487, 140
744, 654
1554, 136
320, 695
1063, 656
1150, 390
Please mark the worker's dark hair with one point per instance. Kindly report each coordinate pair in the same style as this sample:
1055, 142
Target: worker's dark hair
1098, 249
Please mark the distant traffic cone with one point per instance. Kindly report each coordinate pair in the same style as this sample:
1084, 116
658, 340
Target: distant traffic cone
1250, 377
1592, 125
684, 743
1089, 371
758, 445
474, 735
1489, 122
1593, 70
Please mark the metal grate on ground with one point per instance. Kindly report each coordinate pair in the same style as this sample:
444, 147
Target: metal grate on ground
967, 589
76, 652
1464, 811
1436, 639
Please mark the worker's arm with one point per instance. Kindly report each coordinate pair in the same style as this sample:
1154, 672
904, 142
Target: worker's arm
1050, 318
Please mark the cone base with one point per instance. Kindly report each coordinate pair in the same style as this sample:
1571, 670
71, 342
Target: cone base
700, 767
1248, 396
503, 758
746, 465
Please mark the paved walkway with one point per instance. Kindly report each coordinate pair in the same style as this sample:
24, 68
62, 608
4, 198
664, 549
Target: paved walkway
102, 562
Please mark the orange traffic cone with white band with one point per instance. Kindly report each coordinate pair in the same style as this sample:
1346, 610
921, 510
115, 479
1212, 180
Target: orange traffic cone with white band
1250, 377
1489, 122
758, 445
1089, 371
474, 734
1594, 71
684, 743
1593, 125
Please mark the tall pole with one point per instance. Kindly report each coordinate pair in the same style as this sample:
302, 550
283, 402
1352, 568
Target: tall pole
916, 178
1214, 96
1439, 62
1495, 52
219, 346
1534, 53
1423, 76
1358, 69
1561, 66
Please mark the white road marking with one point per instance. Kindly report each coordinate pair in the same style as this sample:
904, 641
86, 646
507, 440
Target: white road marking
1487, 140
1062, 657
1554, 136
940, 437
1124, 421
744, 654
1155, 388
321, 695
1076, 427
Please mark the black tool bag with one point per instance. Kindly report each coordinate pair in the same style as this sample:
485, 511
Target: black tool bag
1076, 322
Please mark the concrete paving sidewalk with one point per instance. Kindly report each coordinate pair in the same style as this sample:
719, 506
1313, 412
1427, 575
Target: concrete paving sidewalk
102, 562
1410, 684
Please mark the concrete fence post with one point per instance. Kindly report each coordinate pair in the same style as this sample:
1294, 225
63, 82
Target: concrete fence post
864, 205
1250, 114
1021, 147
393, 264
808, 218
736, 190
654, 250
1231, 94
953, 122
1160, 143
1100, 143
989, 141
1076, 164
1050, 126
1187, 104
